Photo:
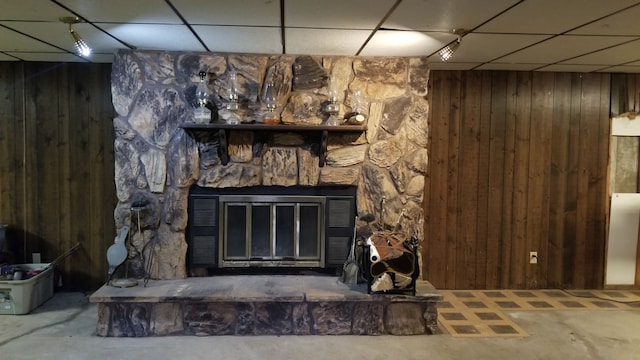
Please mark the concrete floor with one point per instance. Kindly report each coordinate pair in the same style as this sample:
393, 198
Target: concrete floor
64, 328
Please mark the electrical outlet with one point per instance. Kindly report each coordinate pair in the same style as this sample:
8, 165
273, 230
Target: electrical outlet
35, 258
533, 257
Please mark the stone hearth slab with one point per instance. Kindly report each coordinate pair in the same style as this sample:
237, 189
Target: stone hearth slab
261, 305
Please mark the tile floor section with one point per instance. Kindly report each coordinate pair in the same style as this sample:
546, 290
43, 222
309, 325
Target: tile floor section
481, 313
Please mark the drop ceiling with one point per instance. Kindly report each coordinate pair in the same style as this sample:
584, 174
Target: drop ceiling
540, 35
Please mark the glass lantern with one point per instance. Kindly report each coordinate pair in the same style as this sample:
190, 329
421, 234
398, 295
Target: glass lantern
233, 105
270, 100
201, 114
333, 106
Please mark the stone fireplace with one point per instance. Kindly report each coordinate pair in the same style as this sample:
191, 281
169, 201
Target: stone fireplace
159, 162
199, 197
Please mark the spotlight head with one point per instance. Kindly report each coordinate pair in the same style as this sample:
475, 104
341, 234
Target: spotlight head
81, 46
447, 52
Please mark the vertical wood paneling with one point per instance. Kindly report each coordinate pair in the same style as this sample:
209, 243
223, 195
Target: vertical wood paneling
484, 138
469, 130
532, 153
539, 174
496, 181
452, 190
61, 187
558, 179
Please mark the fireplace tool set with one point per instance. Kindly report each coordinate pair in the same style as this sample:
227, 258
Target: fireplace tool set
117, 253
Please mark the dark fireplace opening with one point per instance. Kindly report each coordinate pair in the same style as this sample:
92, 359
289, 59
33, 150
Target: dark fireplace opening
269, 229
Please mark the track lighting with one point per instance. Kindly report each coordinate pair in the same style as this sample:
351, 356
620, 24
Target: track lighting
81, 46
447, 52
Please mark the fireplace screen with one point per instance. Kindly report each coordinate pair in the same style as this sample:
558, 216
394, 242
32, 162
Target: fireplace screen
270, 226
271, 231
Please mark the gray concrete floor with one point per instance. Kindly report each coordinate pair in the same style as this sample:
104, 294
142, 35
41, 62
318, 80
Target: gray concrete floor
64, 328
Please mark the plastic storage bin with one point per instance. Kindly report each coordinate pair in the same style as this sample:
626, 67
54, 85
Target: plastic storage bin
19, 297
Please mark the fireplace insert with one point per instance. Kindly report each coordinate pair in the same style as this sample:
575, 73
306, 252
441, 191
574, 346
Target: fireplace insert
270, 226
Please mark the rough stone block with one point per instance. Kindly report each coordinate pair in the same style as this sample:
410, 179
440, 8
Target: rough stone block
331, 318
367, 318
245, 319
129, 319
404, 319
210, 319
273, 318
166, 319
301, 319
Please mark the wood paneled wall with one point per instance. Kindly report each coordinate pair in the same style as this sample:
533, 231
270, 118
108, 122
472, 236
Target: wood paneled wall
518, 163
56, 165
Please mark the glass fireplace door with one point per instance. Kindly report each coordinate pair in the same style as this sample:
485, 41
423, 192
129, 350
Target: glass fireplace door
284, 231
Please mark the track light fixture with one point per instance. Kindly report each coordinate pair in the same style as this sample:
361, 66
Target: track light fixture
81, 46
447, 52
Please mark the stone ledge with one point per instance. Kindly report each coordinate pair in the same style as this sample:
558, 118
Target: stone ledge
262, 305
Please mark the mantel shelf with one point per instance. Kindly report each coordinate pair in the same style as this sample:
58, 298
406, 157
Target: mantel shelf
224, 128
278, 127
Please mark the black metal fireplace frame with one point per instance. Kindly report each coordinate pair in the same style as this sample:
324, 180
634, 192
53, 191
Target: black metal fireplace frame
204, 224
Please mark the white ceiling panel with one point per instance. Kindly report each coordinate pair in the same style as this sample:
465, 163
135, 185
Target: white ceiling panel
617, 24
31, 10
324, 42
6, 57
405, 43
508, 66
53, 57
452, 66
237, 12
424, 15
571, 68
336, 14
155, 37
563, 47
552, 16
500, 31
11, 41
124, 11
58, 34
241, 39
486, 47
623, 69
616, 55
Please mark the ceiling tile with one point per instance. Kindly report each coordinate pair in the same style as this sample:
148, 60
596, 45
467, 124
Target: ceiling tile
486, 47
5, 57
623, 69
58, 34
452, 66
155, 37
444, 15
507, 66
241, 39
571, 68
616, 55
101, 58
33, 10
552, 16
44, 56
617, 24
124, 11
237, 12
13, 41
336, 14
563, 47
324, 42
404, 43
